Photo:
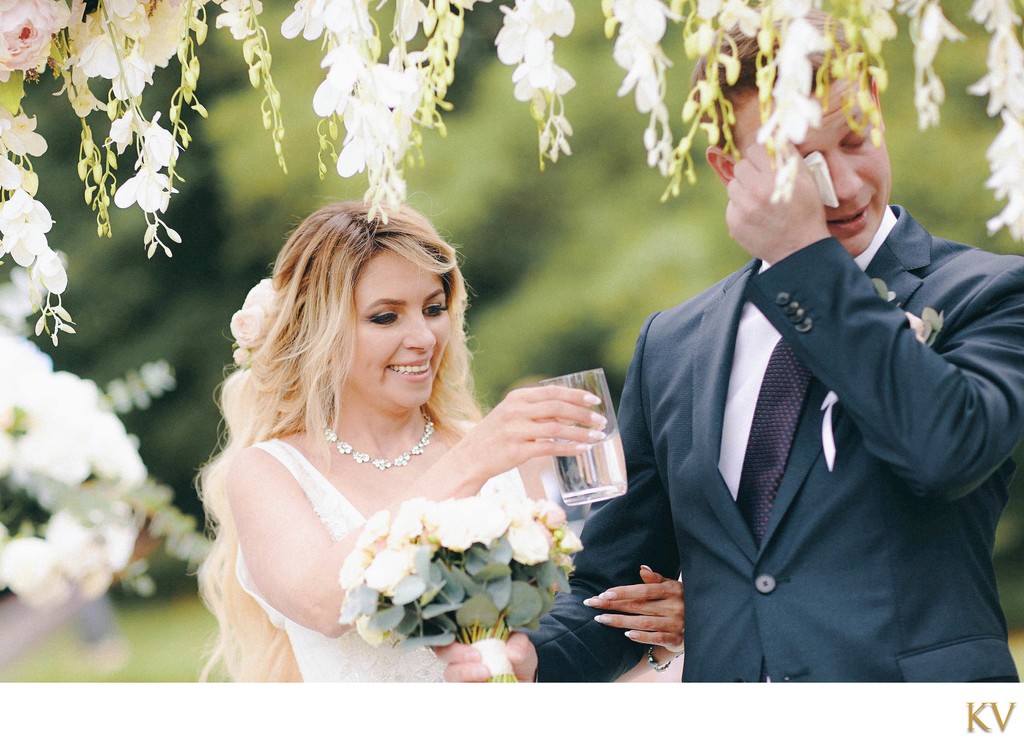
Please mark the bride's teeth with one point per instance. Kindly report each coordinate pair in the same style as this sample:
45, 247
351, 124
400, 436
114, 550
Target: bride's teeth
408, 369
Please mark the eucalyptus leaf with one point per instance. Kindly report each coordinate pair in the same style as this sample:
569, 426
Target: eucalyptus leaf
500, 591
501, 551
434, 609
411, 620
463, 580
387, 619
477, 557
477, 610
445, 623
531, 626
359, 601
435, 574
409, 589
493, 571
430, 593
883, 290
561, 580
421, 562
547, 575
525, 605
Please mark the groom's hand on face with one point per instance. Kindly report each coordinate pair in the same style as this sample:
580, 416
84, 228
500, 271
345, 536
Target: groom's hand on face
465, 663
766, 230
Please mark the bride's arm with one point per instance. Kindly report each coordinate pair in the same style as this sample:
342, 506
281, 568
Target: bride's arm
289, 552
522, 427
295, 562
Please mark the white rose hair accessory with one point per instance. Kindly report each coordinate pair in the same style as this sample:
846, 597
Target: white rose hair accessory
249, 324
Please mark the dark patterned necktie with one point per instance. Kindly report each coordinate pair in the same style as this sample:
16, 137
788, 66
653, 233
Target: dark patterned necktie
779, 404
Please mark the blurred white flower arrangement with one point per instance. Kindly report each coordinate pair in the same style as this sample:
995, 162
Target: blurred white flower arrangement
384, 85
77, 507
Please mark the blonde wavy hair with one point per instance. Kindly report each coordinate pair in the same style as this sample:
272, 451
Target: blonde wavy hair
292, 384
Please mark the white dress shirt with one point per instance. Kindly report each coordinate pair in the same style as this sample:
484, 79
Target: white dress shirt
755, 340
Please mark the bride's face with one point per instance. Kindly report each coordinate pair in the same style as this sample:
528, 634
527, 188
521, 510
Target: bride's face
402, 329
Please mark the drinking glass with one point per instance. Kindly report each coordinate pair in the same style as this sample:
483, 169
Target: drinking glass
599, 473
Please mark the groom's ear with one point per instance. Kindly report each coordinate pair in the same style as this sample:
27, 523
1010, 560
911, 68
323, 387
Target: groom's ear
723, 164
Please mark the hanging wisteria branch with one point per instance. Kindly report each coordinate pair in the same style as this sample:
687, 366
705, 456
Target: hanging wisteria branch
388, 66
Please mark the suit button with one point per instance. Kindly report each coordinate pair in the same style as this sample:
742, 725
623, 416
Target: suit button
804, 326
782, 298
797, 314
792, 307
764, 583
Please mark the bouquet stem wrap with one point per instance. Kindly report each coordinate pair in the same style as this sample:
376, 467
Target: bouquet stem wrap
492, 643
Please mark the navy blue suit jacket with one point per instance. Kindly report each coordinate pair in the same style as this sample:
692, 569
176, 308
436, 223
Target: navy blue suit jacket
878, 570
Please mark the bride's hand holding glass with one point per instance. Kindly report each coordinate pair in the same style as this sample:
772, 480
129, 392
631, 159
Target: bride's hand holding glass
530, 422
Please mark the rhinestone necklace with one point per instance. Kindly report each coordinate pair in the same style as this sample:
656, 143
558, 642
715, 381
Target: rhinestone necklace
382, 464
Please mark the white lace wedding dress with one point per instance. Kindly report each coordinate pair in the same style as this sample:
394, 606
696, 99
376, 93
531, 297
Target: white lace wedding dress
347, 658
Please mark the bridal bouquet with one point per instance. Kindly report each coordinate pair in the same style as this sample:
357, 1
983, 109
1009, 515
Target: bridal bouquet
470, 570
77, 507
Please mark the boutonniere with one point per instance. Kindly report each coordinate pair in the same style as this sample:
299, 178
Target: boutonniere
926, 328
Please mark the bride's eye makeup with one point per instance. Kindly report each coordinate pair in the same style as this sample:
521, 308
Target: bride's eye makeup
385, 318
435, 310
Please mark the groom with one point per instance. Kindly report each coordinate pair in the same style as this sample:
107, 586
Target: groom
827, 484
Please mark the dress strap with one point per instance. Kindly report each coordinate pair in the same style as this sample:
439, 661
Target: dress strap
330, 505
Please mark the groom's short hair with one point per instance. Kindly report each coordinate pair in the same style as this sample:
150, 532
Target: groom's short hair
746, 50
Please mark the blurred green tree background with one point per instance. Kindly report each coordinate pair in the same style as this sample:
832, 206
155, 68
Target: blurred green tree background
564, 263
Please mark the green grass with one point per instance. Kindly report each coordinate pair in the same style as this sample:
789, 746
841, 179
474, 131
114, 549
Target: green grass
165, 641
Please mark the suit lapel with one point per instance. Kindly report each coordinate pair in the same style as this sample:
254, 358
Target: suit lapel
907, 247
716, 343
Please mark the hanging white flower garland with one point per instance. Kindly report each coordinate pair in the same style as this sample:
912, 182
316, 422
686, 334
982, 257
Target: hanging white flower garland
378, 95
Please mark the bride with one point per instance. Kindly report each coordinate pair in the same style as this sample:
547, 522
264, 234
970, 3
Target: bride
353, 393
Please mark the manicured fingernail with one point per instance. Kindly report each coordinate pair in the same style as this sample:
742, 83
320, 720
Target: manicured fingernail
581, 448
644, 566
598, 420
601, 618
608, 596
592, 602
597, 435
592, 399
631, 634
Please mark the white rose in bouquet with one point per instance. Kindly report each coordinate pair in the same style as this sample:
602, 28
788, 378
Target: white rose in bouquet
408, 524
388, 568
470, 570
531, 542
372, 637
459, 523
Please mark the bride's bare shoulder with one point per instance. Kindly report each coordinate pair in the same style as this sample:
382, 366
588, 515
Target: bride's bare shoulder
257, 461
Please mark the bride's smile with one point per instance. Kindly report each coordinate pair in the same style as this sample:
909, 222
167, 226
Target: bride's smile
402, 330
